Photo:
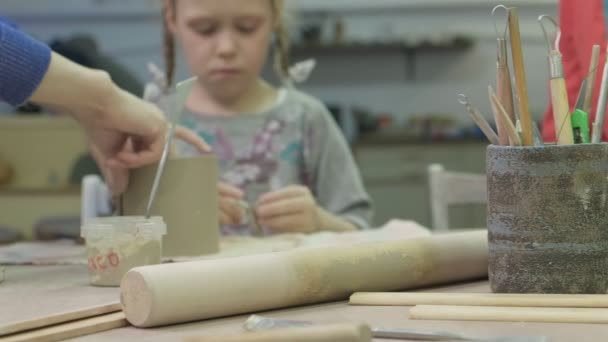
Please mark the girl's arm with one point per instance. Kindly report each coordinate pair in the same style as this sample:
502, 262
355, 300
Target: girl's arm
333, 175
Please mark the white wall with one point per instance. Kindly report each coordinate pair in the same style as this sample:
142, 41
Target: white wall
130, 31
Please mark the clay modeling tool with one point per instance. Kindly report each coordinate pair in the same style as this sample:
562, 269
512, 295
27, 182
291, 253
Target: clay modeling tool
260, 323
251, 218
503, 117
520, 77
598, 124
559, 96
503, 79
181, 94
479, 120
538, 138
580, 119
595, 57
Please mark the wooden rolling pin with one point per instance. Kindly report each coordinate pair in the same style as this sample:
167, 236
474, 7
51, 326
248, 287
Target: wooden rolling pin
479, 299
509, 314
343, 332
182, 292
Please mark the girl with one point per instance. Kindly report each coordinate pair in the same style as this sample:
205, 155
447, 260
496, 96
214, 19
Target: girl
279, 150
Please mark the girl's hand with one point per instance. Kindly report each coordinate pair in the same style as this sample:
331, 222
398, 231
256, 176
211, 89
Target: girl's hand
289, 210
231, 212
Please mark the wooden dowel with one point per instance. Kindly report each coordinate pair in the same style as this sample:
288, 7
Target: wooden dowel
509, 314
478, 299
72, 329
15, 327
504, 119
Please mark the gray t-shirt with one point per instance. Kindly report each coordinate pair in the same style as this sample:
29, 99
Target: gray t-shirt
295, 142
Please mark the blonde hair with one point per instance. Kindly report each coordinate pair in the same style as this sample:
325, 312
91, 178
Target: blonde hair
280, 46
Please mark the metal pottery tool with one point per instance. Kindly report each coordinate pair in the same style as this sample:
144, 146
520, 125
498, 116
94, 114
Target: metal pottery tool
479, 120
580, 118
503, 78
598, 124
181, 94
520, 77
258, 323
559, 95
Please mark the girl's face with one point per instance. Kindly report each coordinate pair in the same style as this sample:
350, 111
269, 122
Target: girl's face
225, 42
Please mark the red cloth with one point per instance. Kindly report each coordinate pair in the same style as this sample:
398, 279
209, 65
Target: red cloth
583, 25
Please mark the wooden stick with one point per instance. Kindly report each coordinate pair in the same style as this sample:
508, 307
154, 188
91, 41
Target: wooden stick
509, 314
504, 118
345, 332
520, 78
504, 89
600, 110
36, 323
595, 58
479, 299
561, 108
72, 329
485, 127
183, 292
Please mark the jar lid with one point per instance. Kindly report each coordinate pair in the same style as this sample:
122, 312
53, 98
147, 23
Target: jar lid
124, 224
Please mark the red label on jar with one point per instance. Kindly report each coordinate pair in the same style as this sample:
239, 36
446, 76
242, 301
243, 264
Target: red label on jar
103, 261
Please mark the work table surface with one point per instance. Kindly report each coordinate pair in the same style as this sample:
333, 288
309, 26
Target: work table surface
32, 291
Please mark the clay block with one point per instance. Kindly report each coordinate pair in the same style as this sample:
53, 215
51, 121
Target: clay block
187, 201
547, 218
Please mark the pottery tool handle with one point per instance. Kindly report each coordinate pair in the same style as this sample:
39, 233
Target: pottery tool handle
503, 89
346, 332
504, 93
520, 78
595, 58
183, 292
504, 118
479, 299
598, 125
509, 314
561, 109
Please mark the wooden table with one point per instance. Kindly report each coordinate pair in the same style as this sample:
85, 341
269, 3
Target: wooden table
30, 291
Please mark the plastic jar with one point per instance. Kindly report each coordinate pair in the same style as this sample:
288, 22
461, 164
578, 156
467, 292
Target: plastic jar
117, 244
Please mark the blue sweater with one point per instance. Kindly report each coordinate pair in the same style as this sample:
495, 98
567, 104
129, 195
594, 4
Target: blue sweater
23, 63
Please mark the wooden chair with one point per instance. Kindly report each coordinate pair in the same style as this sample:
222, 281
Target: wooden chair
448, 188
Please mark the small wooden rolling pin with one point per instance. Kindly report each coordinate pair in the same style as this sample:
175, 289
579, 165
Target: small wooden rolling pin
509, 314
479, 299
343, 332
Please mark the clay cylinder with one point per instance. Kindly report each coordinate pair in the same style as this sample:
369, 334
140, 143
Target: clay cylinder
547, 218
186, 200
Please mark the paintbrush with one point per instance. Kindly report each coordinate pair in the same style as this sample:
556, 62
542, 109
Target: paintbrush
520, 77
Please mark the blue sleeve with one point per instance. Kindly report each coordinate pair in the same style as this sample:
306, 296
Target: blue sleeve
23, 63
